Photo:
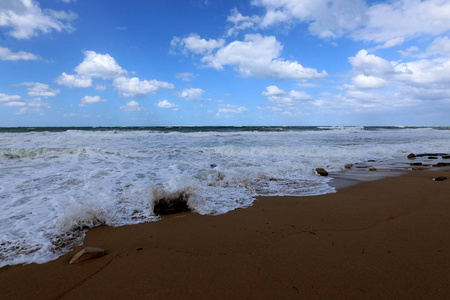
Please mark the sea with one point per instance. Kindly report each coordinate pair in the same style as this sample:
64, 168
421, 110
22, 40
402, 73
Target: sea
55, 183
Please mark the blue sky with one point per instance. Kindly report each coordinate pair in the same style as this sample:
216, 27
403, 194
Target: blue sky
206, 62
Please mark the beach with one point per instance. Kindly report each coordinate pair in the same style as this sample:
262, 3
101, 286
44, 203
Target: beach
383, 239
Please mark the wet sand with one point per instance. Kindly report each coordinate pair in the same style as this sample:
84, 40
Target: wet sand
385, 239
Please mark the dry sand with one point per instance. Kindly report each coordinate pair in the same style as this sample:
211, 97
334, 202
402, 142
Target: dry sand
386, 239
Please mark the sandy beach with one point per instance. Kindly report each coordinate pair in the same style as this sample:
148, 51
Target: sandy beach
384, 239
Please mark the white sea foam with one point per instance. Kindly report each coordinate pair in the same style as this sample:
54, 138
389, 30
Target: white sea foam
54, 185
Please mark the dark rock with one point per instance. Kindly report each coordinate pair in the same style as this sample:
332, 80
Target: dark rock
371, 160
372, 169
87, 253
415, 164
348, 166
430, 154
446, 156
167, 206
441, 178
321, 172
411, 156
432, 157
213, 166
442, 164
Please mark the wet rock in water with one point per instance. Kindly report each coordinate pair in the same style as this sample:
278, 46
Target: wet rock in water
87, 253
372, 169
348, 166
415, 164
432, 157
440, 178
418, 168
213, 166
446, 156
321, 172
431, 154
411, 156
167, 206
442, 164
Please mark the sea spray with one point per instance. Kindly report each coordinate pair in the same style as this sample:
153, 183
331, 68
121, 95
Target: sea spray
56, 183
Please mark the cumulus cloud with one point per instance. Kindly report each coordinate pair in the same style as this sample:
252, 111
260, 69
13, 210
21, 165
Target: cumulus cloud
132, 106
74, 80
407, 19
192, 94
38, 89
26, 19
7, 54
273, 90
196, 44
368, 82
104, 66
99, 65
371, 64
166, 104
91, 99
259, 56
282, 98
134, 87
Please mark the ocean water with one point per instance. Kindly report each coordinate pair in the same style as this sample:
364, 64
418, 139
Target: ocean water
57, 182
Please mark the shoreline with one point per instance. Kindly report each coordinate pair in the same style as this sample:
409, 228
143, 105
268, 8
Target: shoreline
379, 239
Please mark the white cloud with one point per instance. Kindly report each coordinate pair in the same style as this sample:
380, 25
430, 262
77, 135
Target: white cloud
370, 64
7, 54
186, 76
26, 19
431, 73
166, 104
15, 103
388, 23
196, 44
91, 99
391, 43
326, 19
134, 87
273, 90
99, 65
104, 66
230, 109
368, 82
132, 106
192, 94
259, 56
31, 105
5, 98
282, 98
404, 19
440, 46
240, 22
38, 89
74, 80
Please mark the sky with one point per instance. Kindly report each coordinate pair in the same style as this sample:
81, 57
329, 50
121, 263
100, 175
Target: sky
224, 62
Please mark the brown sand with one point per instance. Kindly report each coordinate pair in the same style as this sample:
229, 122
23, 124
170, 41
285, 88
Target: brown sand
386, 239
